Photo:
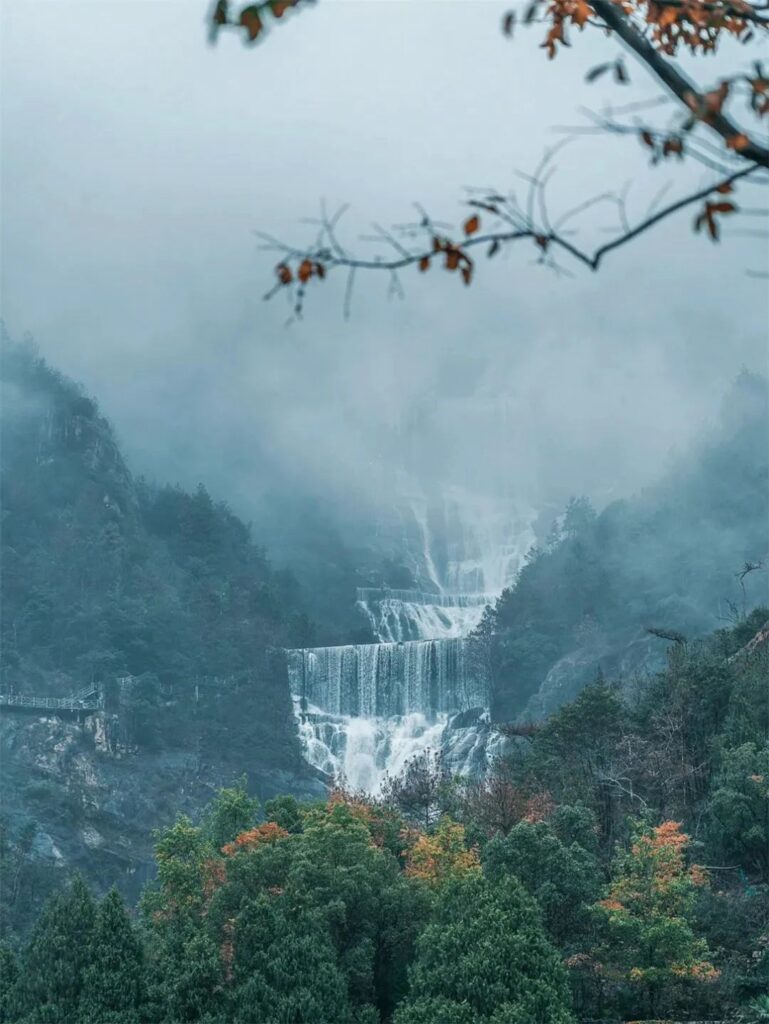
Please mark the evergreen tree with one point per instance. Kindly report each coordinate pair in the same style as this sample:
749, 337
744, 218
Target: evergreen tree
114, 986
485, 959
232, 812
9, 974
738, 809
563, 879
282, 967
55, 961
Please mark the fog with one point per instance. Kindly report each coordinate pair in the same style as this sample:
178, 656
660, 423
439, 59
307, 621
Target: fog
138, 162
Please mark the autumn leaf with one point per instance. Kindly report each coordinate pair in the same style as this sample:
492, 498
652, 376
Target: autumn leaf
714, 100
581, 13
725, 207
251, 22
673, 145
284, 273
668, 17
424, 264
452, 259
738, 142
648, 139
305, 270
467, 274
472, 224
725, 188
220, 14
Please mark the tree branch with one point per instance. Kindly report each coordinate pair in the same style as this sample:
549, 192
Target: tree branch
672, 77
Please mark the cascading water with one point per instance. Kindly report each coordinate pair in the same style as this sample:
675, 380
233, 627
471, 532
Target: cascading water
399, 615
364, 710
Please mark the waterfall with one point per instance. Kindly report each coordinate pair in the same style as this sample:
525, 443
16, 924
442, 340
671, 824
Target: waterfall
386, 680
363, 710
396, 616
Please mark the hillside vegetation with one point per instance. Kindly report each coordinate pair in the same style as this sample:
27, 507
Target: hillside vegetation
614, 866
668, 558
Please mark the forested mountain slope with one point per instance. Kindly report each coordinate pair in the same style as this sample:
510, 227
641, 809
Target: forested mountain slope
667, 558
160, 596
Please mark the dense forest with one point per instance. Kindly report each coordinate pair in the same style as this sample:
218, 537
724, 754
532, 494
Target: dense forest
162, 599
612, 864
672, 558
616, 864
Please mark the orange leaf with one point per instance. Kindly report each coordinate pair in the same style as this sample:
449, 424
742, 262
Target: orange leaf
647, 139
452, 259
424, 264
467, 274
722, 207
251, 22
305, 270
472, 224
714, 100
738, 142
284, 273
580, 13
673, 144
725, 188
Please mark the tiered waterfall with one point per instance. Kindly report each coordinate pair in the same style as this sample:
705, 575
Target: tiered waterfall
364, 710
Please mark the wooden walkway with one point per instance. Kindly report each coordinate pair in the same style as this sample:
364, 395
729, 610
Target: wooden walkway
87, 699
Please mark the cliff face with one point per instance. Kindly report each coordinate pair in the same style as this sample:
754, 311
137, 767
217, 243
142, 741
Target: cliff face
95, 800
161, 600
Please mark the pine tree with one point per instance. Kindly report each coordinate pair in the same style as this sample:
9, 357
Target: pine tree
57, 956
9, 973
282, 967
114, 981
485, 959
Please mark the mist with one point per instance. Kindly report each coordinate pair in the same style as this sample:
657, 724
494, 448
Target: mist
138, 162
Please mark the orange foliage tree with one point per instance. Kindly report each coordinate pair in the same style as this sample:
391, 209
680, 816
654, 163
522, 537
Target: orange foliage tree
719, 124
269, 832
646, 912
440, 855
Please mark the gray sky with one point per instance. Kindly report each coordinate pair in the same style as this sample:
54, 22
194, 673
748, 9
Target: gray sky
137, 162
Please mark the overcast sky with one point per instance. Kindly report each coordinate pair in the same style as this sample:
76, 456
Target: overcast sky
138, 162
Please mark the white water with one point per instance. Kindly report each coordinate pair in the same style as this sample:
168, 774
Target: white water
399, 615
361, 751
364, 710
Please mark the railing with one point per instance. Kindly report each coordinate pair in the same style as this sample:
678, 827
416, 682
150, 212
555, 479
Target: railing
87, 699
